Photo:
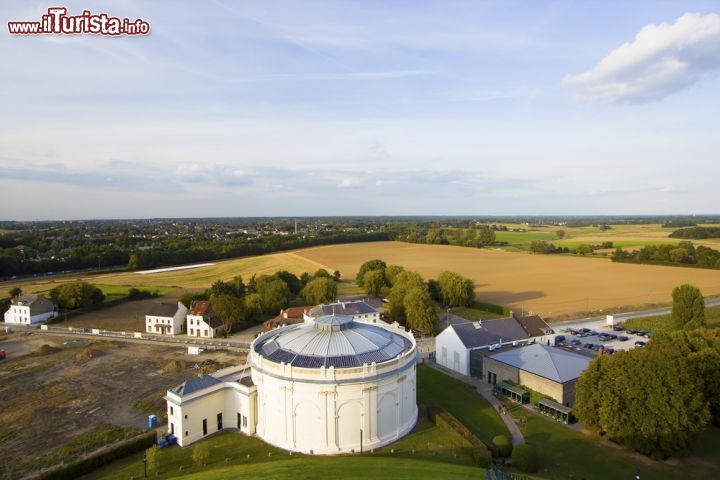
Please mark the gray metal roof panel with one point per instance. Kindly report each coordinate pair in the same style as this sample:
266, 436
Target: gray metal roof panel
548, 362
332, 342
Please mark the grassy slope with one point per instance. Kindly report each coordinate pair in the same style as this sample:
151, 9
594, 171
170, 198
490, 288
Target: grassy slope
566, 453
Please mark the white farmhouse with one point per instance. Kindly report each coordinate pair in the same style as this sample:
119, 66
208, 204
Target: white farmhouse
166, 319
31, 309
202, 320
329, 386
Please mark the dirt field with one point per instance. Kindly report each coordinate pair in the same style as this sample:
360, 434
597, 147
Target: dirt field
64, 391
544, 284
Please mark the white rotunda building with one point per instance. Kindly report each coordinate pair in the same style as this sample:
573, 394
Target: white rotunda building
330, 385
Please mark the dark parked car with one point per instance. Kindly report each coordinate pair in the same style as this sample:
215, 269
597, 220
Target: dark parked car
623, 338
608, 351
639, 343
618, 328
631, 331
575, 341
647, 335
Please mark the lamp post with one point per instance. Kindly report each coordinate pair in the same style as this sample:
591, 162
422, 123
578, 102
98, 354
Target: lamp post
145, 464
361, 441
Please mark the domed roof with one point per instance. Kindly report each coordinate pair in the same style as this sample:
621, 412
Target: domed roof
331, 340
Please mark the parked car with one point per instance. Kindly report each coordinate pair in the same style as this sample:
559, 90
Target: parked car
640, 333
647, 335
631, 331
618, 328
575, 342
639, 343
623, 338
590, 345
608, 351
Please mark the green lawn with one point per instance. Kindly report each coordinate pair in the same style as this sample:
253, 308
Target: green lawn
515, 238
566, 453
461, 400
113, 292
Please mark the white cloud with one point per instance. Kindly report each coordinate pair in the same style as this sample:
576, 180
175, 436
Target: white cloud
348, 183
661, 60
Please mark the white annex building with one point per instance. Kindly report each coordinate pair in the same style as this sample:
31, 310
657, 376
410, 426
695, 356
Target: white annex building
327, 386
30, 309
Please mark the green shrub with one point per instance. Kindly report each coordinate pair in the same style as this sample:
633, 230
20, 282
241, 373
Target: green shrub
524, 459
503, 444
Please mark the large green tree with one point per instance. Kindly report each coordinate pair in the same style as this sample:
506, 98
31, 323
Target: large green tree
688, 310
319, 290
420, 311
373, 282
230, 309
456, 290
375, 264
404, 282
77, 295
274, 293
647, 398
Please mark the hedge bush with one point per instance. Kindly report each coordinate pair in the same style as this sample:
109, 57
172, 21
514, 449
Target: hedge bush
100, 458
524, 459
504, 445
463, 437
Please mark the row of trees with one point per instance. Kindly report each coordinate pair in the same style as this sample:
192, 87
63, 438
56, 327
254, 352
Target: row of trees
475, 236
240, 305
411, 300
684, 253
697, 232
657, 399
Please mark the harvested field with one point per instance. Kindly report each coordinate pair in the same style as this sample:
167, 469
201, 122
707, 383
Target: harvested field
544, 284
549, 285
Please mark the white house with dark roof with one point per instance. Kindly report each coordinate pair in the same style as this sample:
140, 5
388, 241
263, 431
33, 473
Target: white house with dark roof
166, 318
548, 370
455, 345
29, 309
202, 320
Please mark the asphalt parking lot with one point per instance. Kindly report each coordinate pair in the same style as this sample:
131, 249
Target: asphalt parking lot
580, 342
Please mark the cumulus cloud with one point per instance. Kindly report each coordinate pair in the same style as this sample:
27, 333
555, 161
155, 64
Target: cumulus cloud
661, 60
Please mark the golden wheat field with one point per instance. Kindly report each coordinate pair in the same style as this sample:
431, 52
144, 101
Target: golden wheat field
544, 284
548, 285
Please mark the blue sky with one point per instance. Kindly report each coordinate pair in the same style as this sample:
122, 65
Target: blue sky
299, 108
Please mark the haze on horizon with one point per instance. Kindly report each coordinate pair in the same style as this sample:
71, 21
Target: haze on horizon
322, 108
